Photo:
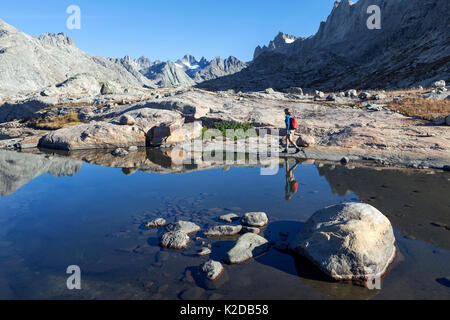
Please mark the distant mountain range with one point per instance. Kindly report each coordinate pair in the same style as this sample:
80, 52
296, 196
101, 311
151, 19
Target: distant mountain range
188, 71
32, 64
412, 48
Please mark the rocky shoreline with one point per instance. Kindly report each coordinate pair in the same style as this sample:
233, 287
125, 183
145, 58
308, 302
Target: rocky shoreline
347, 242
351, 125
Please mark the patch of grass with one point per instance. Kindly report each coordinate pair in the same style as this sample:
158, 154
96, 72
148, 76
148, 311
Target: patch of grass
422, 108
230, 125
55, 123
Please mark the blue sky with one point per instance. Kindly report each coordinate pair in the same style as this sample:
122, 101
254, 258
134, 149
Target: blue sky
169, 29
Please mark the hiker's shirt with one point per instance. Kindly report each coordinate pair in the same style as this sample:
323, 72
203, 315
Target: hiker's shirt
288, 123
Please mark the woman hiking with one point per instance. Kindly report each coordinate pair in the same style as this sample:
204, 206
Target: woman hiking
291, 126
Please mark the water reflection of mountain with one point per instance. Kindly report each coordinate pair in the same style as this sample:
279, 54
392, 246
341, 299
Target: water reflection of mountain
413, 201
17, 169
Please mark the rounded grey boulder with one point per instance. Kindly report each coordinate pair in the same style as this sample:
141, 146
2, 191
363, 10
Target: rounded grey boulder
176, 240
184, 226
350, 241
255, 219
212, 269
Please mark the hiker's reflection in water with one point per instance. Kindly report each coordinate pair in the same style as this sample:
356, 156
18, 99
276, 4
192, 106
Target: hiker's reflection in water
291, 182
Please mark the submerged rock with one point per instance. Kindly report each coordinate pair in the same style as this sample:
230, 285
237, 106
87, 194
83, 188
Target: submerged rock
204, 252
255, 219
229, 217
156, 223
251, 230
176, 240
218, 231
212, 269
351, 241
247, 247
184, 226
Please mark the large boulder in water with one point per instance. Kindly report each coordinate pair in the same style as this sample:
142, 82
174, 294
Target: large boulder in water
350, 241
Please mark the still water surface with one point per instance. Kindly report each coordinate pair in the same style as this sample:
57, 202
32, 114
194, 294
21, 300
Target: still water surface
57, 211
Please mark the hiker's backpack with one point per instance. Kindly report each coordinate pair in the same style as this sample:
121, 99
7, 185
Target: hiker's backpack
294, 123
294, 187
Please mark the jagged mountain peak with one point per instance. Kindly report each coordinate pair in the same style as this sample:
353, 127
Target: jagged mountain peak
56, 39
412, 48
279, 43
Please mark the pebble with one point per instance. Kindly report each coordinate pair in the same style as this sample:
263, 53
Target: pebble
204, 252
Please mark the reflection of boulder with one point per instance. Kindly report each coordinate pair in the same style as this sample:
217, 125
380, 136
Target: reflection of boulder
17, 169
312, 276
411, 200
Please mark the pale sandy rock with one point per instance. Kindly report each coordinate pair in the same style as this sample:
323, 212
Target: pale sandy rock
212, 269
351, 241
187, 132
229, 217
247, 247
100, 135
305, 141
176, 240
204, 252
218, 231
255, 219
184, 226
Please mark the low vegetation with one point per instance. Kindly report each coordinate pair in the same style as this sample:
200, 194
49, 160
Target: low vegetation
422, 108
55, 123
224, 126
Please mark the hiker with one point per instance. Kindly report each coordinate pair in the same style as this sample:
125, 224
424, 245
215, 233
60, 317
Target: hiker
291, 126
291, 182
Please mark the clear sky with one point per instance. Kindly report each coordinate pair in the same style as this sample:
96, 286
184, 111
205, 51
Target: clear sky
168, 29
